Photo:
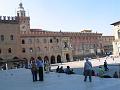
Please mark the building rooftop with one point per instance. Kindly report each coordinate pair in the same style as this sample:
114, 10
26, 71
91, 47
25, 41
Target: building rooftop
115, 23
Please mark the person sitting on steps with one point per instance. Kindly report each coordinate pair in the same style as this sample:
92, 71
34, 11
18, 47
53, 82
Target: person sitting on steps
68, 70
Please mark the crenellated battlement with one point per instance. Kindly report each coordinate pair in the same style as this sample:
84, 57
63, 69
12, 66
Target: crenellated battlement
9, 19
43, 33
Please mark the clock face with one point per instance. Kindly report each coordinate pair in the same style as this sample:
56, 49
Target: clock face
23, 27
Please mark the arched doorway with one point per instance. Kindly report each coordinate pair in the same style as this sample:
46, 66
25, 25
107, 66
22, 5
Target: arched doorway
1, 58
58, 59
46, 63
52, 59
1, 61
46, 59
68, 57
26, 62
15, 57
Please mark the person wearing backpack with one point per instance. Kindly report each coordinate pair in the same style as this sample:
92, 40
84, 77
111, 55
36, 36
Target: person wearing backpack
34, 71
87, 70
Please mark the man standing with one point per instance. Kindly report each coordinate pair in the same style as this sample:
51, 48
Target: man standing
87, 70
105, 66
40, 66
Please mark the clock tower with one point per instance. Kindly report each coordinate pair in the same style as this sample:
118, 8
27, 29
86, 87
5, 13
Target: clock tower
24, 21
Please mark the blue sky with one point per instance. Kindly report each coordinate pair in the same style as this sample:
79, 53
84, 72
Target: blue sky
67, 15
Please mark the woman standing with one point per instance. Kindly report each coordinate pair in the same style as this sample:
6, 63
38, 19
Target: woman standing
34, 71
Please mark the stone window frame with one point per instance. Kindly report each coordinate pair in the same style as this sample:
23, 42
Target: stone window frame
31, 50
44, 40
23, 41
37, 40
9, 50
23, 50
51, 41
0, 51
2, 37
11, 37
57, 40
38, 49
30, 41
118, 33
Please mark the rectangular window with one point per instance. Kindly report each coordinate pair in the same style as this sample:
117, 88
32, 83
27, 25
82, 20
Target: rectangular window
9, 50
23, 50
11, 37
30, 41
31, 50
2, 37
0, 51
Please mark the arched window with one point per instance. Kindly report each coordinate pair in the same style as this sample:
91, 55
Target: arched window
0, 51
44, 40
23, 50
57, 40
30, 41
65, 45
37, 40
11, 37
31, 50
23, 41
50, 40
9, 50
94, 46
119, 34
2, 37
45, 48
38, 49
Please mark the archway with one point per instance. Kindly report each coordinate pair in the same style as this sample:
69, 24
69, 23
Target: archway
26, 63
1, 61
1, 58
52, 59
46, 63
58, 59
46, 59
15, 57
68, 57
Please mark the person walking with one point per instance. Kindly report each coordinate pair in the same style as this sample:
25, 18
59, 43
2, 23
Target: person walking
87, 70
40, 66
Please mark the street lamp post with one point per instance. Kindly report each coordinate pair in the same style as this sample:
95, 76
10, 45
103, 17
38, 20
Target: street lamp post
34, 48
6, 53
61, 46
119, 71
83, 49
